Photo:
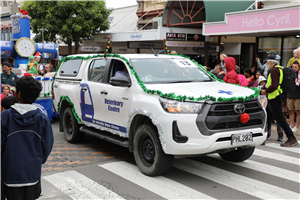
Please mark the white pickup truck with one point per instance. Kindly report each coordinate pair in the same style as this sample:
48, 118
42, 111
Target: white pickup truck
159, 106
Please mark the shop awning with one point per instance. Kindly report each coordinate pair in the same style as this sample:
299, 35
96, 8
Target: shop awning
259, 22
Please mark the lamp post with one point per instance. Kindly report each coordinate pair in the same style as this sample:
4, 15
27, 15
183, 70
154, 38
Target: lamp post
43, 29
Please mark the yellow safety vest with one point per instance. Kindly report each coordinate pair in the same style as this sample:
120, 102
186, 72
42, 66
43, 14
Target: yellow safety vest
278, 91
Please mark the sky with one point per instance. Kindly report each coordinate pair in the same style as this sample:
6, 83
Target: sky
120, 3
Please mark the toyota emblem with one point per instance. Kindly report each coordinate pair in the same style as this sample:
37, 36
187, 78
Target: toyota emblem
239, 108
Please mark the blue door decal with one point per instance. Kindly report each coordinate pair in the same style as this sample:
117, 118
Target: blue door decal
87, 110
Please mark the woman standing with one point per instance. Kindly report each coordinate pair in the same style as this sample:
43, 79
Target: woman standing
293, 100
296, 54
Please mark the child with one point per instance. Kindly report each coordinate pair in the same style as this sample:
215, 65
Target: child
6, 92
26, 142
262, 81
32, 66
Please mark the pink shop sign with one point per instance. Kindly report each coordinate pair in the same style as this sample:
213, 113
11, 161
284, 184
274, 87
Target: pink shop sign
266, 21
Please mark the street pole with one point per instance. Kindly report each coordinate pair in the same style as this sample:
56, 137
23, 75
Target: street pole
43, 45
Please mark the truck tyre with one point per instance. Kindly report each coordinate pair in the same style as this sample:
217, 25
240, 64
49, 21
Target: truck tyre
238, 155
148, 154
71, 127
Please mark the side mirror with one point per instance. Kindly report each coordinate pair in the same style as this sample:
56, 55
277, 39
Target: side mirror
122, 81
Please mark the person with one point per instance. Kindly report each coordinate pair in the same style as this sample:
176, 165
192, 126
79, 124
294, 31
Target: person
264, 67
262, 81
231, 76
6, 92
48, 69
250, 79
26, 142
32, 66
257, 75
296, 57
242, 79
7, 102
214, 72
273, 93
123, 72
37, 59
7, 76
293, 100
222, 57
253, 71
221, 73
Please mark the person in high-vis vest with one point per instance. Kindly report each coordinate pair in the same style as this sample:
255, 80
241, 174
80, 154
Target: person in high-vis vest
273, 93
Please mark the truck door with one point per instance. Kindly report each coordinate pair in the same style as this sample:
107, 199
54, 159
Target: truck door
116, 100
90, 95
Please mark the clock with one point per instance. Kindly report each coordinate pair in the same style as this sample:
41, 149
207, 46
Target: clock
25, 47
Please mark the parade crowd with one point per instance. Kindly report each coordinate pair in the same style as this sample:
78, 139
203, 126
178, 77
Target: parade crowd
268, 78
27, 137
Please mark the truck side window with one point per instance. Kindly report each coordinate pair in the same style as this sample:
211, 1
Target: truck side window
96, 70
70, 67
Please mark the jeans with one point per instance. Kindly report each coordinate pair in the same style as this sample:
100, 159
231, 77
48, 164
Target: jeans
275, 109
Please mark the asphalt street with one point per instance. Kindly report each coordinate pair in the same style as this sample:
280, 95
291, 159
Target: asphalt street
95, 169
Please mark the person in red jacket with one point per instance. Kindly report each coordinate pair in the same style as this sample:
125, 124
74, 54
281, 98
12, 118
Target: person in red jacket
231, 76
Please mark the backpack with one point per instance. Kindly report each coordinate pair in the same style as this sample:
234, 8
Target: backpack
289, 77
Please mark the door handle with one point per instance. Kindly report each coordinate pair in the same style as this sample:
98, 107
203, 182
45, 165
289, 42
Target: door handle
104, 92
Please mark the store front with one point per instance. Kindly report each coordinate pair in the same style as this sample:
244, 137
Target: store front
276, 28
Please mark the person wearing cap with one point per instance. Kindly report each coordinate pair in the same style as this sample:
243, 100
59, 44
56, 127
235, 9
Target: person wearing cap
264, 67
273, 93
7, 76
296, 54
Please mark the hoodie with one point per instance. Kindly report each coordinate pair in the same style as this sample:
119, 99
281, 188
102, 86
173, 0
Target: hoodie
26, 142
231, 76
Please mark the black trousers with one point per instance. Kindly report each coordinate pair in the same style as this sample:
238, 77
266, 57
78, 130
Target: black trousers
275, 107
269, 125
21, 193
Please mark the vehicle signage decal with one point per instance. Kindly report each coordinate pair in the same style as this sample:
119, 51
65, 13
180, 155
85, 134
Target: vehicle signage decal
225, 92
108, 125
184, 63
112, 105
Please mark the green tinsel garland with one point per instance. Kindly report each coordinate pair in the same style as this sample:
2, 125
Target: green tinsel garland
167, 95
72, 105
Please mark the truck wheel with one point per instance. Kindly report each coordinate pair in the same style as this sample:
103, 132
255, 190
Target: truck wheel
71, 127
148, 153
238, 155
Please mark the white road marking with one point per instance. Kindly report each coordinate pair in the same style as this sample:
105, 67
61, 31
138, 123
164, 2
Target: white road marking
265, 168
235, 181
78, 186
159, 185
294, 149
276, 156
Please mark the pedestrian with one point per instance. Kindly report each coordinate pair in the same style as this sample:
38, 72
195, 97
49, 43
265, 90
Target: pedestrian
253, 71
293, 100
273, 93
7, 76
257, 75
6, 103
222, 57
250, 79
26, 142
264, 67
242, 79
221, 73
231, 76
296, 57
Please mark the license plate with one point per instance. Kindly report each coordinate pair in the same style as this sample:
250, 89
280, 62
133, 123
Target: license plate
241, 138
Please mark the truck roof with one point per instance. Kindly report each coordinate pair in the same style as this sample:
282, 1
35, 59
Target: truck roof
133, 56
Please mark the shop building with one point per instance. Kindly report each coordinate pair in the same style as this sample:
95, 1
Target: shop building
275, 25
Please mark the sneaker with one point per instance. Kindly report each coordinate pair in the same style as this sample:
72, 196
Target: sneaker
280, 139
290, 142
294, 129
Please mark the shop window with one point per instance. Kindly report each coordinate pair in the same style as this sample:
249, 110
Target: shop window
289, 44
268, 43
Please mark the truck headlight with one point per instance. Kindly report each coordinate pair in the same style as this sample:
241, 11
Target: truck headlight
180, 107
